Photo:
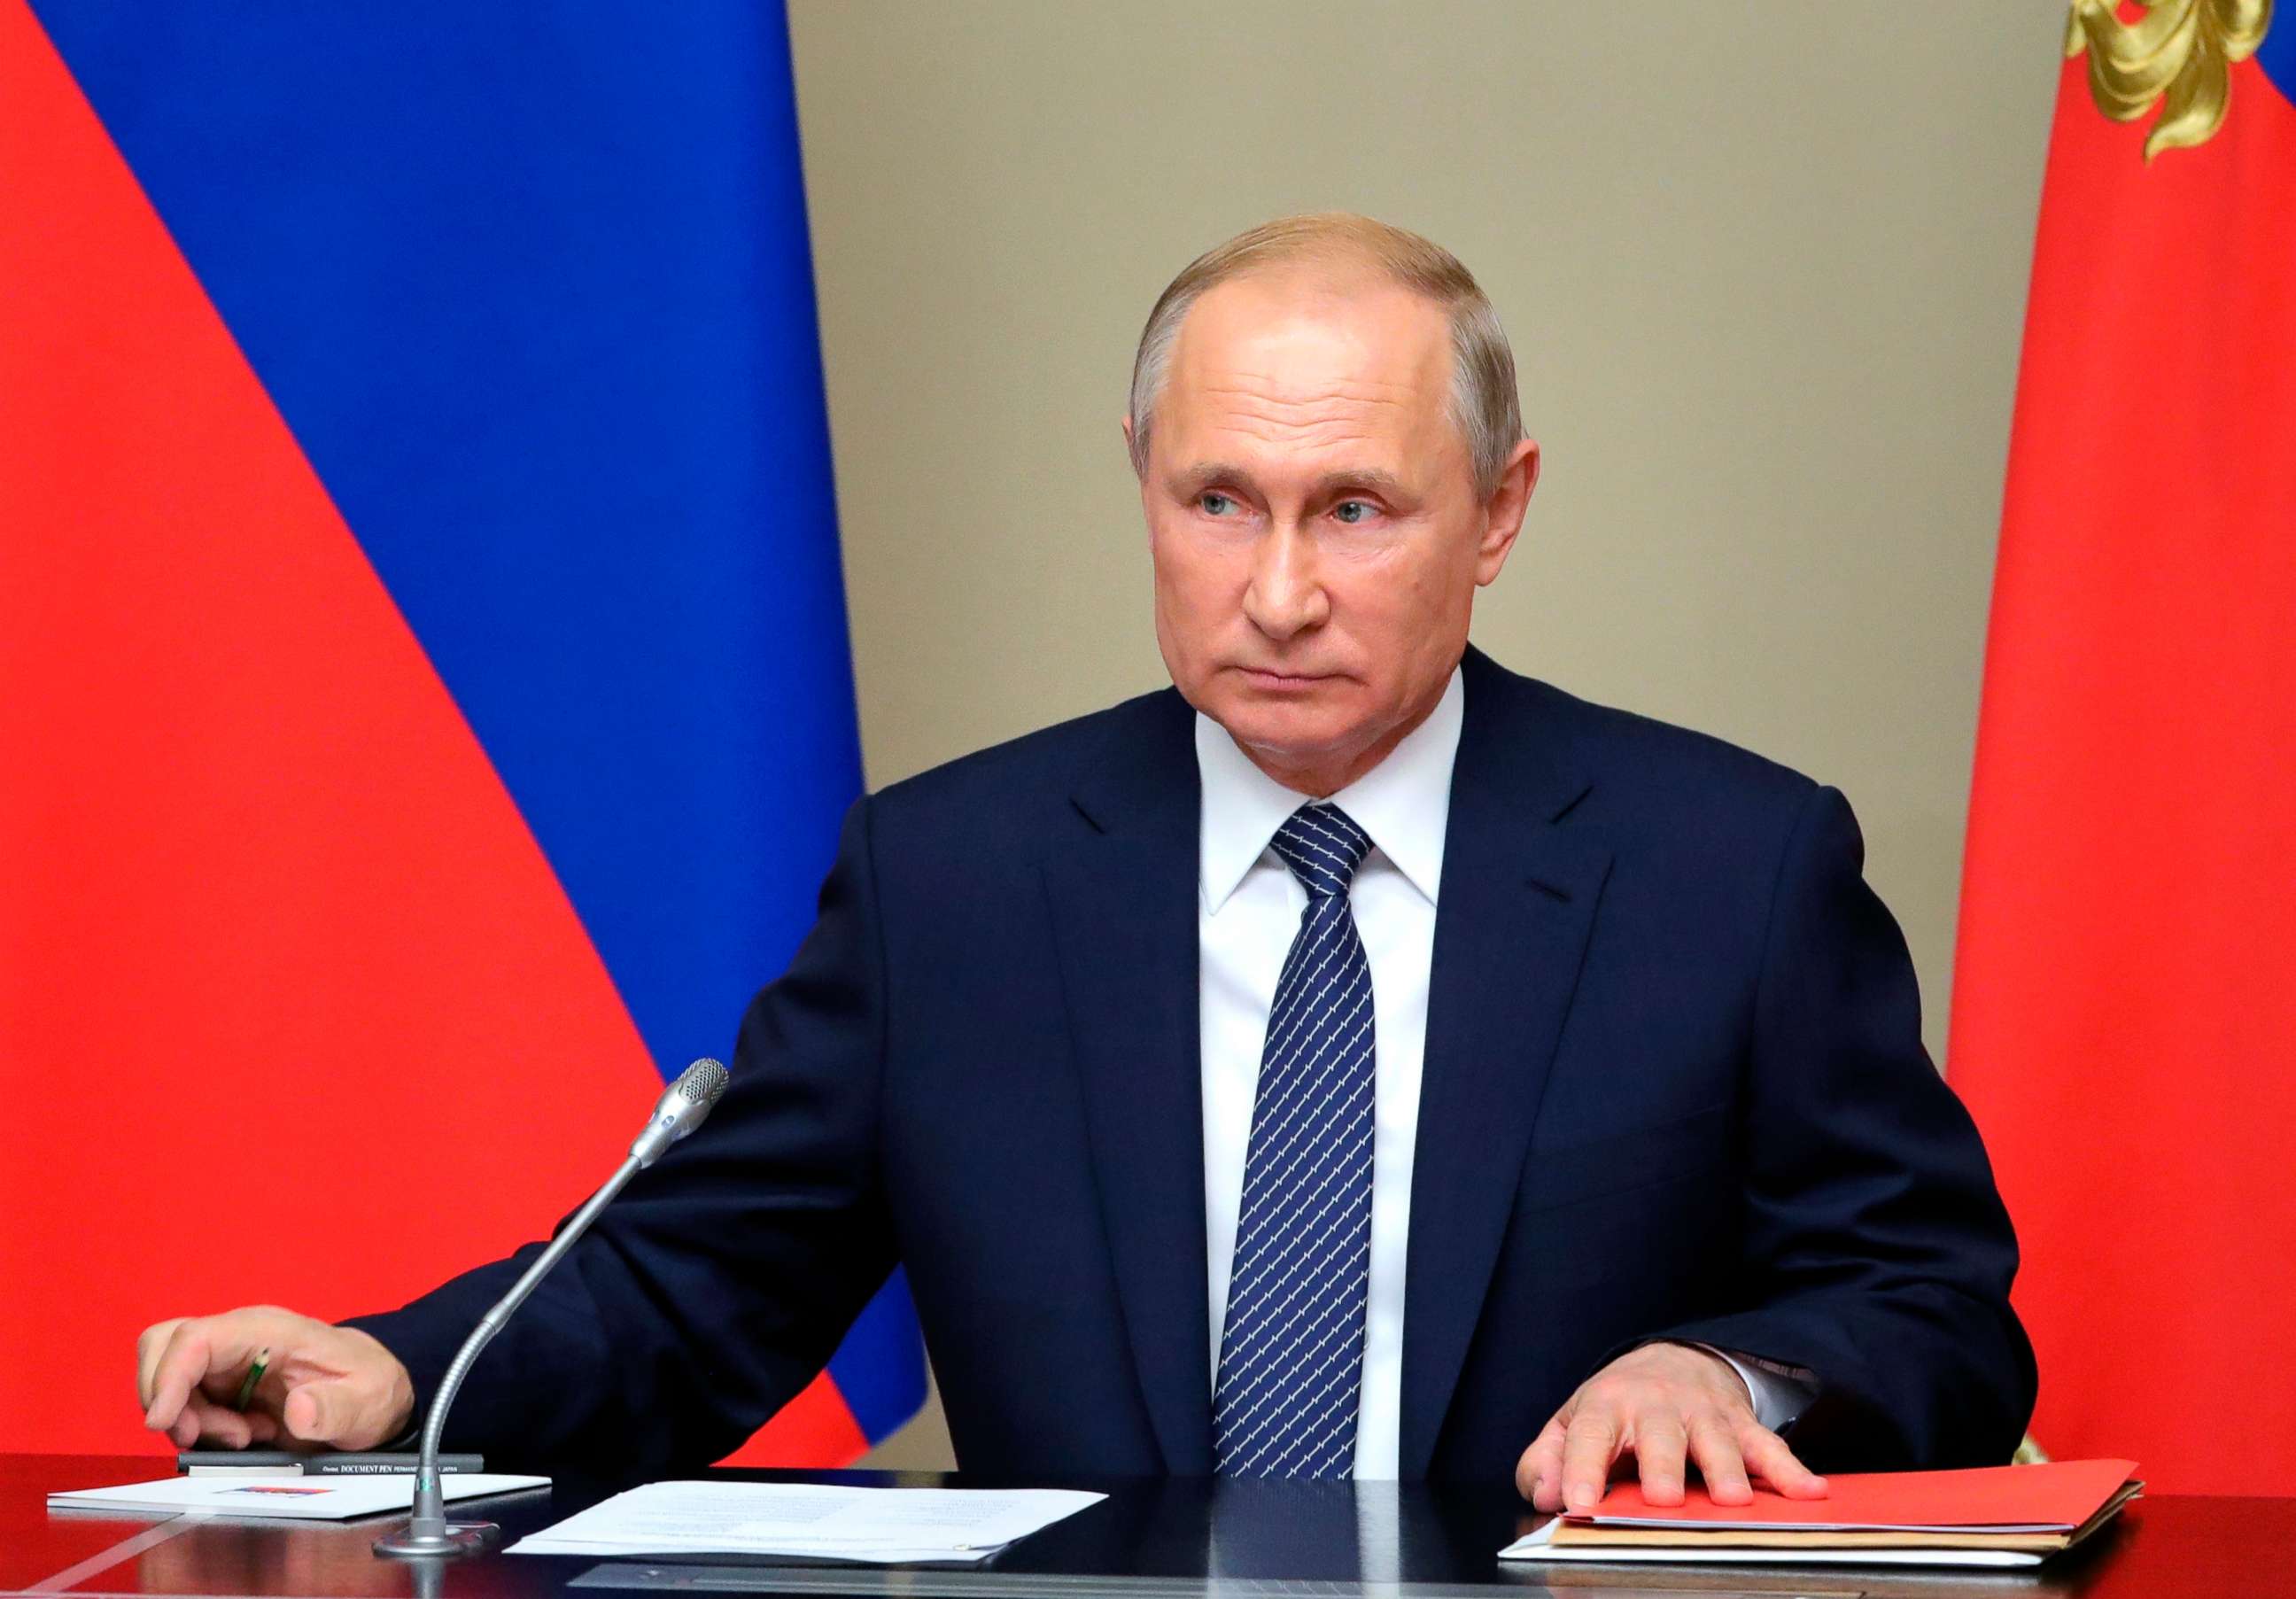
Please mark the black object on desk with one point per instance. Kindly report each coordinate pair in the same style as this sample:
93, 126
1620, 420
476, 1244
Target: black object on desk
328, 1462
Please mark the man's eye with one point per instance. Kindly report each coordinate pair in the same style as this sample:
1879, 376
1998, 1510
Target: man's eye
1352, 511
1215, 504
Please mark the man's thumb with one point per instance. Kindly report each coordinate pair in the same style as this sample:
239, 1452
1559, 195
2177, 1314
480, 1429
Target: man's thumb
326, 1412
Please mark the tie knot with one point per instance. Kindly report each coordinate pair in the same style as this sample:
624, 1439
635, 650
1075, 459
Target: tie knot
1323, 846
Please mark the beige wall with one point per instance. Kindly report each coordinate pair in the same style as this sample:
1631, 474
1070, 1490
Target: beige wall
1764, 267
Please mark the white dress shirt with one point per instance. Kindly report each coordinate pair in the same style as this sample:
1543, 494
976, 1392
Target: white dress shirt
1247, 911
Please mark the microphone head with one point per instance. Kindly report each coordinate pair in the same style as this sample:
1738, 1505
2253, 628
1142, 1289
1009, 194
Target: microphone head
681, 1108
704, 1083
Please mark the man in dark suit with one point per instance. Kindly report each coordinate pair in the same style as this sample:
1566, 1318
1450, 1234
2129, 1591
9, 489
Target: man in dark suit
1355, 1060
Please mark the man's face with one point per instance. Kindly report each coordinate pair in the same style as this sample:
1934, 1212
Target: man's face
1314, 521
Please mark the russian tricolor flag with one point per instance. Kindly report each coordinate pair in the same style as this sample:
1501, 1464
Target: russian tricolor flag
425, 702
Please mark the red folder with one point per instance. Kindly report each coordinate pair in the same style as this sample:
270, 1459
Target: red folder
2059, 1497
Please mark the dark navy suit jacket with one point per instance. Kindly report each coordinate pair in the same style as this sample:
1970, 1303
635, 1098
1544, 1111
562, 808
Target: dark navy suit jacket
1674, 1088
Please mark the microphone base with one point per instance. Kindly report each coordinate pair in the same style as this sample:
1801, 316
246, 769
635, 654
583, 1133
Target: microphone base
459, 1538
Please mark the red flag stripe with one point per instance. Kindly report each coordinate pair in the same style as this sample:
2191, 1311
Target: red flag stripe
2125, 1017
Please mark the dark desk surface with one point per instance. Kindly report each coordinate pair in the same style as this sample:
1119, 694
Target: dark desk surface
1230, 1539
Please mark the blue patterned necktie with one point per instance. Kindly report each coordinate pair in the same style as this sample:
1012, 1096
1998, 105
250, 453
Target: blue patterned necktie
1291, 1359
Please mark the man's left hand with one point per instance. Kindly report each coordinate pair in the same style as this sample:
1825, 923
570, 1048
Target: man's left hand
1669, 1406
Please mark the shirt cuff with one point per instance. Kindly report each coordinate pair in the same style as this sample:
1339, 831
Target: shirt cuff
1780, 1393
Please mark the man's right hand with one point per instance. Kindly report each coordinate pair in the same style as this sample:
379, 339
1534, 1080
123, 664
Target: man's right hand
323, 1384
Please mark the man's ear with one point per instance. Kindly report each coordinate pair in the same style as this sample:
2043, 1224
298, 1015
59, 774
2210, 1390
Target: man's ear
1502, 513
1127, 432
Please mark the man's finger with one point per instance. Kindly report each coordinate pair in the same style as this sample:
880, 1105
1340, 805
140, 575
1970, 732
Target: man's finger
199, 1348
1719, 1462
1539, 1476
204, 1419
1769, 1457
1660, 1441
1587, 1454
183, 1363
330, 1411
149, 1344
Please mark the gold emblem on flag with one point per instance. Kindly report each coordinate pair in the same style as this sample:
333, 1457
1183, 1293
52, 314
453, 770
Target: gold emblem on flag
2177, 55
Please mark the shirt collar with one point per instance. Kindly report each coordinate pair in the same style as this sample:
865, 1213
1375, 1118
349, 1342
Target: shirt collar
1404, 802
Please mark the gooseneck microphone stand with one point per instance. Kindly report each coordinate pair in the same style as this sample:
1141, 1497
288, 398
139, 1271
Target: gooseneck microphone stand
428, 1532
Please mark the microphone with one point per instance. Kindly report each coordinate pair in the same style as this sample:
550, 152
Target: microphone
680, 1110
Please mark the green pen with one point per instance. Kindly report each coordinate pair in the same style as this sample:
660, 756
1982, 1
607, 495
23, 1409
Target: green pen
255, 1371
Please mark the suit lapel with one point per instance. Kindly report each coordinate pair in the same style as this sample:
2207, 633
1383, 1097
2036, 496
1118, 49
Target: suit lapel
1521, 885
1121, 881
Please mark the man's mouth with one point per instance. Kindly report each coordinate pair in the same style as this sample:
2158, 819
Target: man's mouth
1272, 677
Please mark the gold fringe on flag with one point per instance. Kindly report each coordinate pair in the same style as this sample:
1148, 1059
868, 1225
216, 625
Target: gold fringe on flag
2177, 55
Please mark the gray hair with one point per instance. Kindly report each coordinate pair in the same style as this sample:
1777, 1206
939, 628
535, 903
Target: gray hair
1483, 400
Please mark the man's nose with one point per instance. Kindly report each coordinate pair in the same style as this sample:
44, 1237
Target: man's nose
1284, 596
